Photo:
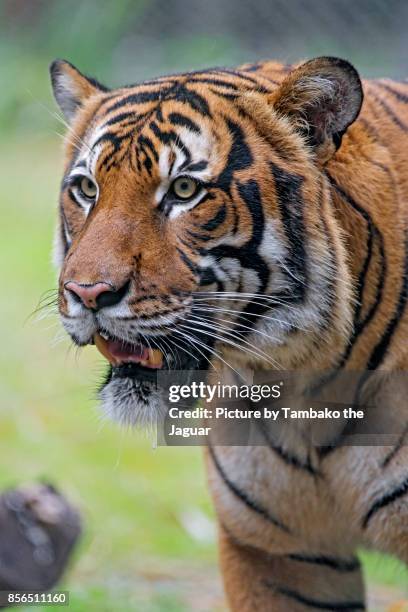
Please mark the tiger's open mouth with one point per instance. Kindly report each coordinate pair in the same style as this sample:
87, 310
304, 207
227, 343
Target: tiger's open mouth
118, 352
139, 361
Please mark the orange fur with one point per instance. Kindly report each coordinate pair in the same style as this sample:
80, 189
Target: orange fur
287, 537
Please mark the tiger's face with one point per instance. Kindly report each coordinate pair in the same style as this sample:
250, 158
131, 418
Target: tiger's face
191, 226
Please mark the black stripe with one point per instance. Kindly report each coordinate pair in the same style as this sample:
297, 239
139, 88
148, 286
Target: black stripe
385, 500
359, 326
64, 227
224, 94
284, 152
147, 163
207, 277
347, 429
327, 449
372, 232
239, 158
371, 130
168, 202
116, 142
248, 255
202, 237
402, 97
168, 79
380, 350
263, 75
346, 606
131, 118
141, 97
393, 453
217, 220
334, 563
244, 497
290, 203
192, 98
190, 265
143, 298
389, 112
74, 199
212, 81
287, 457
182, 120
186, 244
170, 137
146, 142
196, 167
235, 73
244, 77
252, 67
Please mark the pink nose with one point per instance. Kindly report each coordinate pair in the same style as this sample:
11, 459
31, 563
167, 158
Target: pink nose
89, 294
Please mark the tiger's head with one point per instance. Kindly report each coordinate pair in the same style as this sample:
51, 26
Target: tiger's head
196, 224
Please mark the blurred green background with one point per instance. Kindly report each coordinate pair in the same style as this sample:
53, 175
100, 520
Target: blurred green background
149, 542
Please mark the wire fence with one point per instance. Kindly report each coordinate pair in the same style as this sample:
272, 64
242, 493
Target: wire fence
130, 40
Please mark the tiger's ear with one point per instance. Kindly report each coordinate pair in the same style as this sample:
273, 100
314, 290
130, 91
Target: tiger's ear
71, 88
322, 97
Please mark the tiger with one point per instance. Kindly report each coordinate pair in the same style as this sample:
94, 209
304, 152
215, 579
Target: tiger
250, 218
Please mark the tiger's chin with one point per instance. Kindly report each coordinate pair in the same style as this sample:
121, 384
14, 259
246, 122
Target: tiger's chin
132, 400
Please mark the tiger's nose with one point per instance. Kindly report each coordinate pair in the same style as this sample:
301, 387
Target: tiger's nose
96, 296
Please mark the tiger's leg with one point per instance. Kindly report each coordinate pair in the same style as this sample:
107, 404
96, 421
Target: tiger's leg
370, 483
256, 581
385, 522
372, 488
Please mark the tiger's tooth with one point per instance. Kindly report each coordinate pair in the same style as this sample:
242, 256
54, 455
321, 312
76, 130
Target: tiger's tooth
101, 345
155, 358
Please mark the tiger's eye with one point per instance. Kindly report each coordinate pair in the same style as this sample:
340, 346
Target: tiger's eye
88, 188
185, 187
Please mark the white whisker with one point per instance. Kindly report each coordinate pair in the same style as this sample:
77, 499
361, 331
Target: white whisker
255, 351
266, 303
231, 343
249, 314
253, 330
196, 342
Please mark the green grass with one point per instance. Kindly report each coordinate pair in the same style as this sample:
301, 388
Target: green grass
136, 553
